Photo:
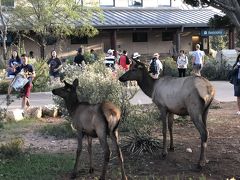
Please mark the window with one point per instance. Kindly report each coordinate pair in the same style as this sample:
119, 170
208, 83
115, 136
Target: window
79, 40
110, 3
7, 3
164, 2
140, 37
135, 3
167, 36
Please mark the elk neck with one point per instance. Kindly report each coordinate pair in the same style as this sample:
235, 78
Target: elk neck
147, 84
72, 104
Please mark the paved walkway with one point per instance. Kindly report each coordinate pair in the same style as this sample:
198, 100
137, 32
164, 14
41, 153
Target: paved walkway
224, 93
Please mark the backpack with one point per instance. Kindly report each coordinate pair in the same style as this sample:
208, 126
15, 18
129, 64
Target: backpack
153, 66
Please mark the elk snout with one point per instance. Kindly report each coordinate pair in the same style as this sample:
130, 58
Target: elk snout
54, 91
122, 79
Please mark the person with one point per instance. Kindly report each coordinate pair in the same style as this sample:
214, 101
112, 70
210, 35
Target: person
79, 58
182, 62
110, 59
55, 66
93, 55
236, 68
13, 63
198, 60
124, 61
32, 59
28, 72
136, 56
155, 66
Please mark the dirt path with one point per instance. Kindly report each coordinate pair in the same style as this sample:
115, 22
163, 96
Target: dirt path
223, 151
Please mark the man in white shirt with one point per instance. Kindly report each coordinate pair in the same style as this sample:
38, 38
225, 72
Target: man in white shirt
198, 60
155, 72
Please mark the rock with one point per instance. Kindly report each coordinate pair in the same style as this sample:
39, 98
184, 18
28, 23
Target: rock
189, 150
51, 111
34, 112
14, 115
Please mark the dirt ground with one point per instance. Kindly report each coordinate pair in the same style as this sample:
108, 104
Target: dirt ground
223, 151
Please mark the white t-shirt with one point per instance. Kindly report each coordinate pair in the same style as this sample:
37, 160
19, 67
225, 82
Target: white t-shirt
182, 62
198, 56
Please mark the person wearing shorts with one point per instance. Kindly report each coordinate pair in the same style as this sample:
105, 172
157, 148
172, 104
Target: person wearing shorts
29, 73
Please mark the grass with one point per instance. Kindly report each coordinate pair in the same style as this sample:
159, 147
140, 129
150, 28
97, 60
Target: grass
36, 166
59, 131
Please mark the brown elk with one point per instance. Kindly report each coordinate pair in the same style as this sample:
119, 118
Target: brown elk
182, 96
92, 120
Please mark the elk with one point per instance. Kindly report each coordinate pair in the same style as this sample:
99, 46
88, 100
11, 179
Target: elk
92, 120
182, 96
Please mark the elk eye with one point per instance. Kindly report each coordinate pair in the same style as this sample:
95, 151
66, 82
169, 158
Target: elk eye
68, 90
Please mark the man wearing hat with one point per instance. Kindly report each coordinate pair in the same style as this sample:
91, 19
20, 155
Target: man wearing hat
136, 56
110, 59
79, 58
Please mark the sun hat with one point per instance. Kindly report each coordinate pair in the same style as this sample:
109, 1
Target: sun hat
136, 55
110, 51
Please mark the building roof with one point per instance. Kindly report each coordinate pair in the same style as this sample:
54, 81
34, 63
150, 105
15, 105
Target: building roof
154, 18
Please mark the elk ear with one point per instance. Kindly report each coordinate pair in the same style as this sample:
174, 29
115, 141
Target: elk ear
75, 83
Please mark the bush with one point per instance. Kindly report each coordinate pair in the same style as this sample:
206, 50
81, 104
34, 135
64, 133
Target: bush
97, 84
12, 149
40, 82
141, 142
4, 86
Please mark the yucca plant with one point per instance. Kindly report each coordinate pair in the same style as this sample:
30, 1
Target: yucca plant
141, 142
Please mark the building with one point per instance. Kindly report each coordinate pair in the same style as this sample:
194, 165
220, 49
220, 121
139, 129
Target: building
144, 26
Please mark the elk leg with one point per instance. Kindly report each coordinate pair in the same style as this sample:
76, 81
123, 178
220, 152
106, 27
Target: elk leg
104, 144
170, 127
90, 154
199, 122
164, 131
78, 153
114, 137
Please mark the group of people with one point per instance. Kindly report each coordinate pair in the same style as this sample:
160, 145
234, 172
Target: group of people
20, 65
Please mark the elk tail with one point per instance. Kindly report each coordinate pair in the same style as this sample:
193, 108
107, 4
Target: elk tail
112, 115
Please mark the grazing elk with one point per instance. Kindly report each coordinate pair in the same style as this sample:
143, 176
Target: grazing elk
92, 120
182, 96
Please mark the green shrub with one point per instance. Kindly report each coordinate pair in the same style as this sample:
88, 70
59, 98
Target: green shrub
12, 149
96, 84
141, 142
4, 86
59, 131
40, 82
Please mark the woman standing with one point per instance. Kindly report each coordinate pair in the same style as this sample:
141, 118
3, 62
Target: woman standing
236, 66
54, 67
13, 63
182, 62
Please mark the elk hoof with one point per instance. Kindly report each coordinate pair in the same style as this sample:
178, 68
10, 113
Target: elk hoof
171, 149
91, 170
73, 175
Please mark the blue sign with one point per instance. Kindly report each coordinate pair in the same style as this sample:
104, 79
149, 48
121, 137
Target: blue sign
212, 32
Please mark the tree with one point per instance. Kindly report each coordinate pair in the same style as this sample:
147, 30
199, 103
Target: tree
41, 19
231, 8
4, 19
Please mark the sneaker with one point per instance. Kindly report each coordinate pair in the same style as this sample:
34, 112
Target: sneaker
238, 113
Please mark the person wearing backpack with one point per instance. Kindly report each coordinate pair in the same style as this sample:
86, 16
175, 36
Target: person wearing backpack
155, 66
124, 61
182, 62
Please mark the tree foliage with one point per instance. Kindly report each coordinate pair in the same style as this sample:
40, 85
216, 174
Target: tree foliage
231, 8
58, 18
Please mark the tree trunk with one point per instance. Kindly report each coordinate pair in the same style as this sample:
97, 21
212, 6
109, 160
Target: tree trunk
42, 51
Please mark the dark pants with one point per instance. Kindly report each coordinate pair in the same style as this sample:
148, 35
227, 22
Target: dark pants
181, 72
